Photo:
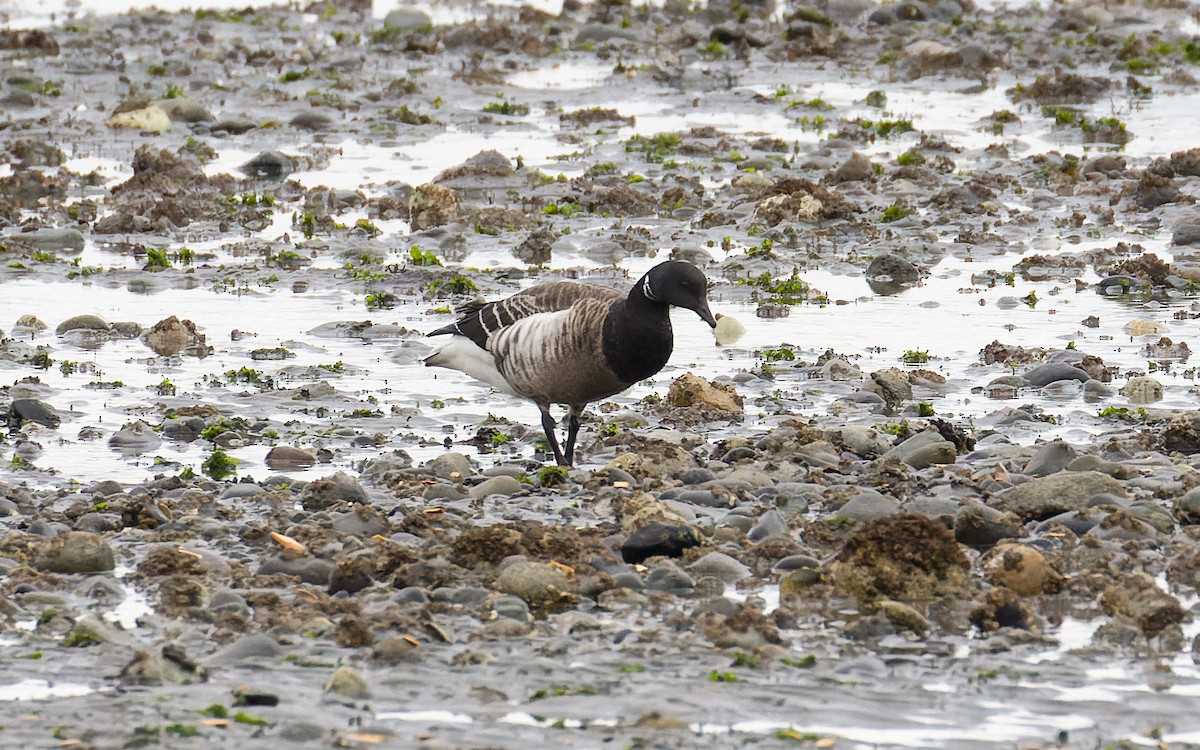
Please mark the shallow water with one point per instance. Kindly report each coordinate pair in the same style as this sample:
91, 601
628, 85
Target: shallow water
946, 303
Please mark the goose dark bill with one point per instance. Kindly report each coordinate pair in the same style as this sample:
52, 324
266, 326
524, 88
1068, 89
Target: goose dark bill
573, 343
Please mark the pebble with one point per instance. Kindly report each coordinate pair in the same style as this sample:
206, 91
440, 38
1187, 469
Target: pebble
241, 491
891, 385
601, 32
1137, 599
162, 665
59, 240
83, 322
186, 429
924, 449
450, 466
1122, 526
1048, 496
396, 650
248, 649
171, 336
769, 524
1044, 375
904, 617
658, 539
407, 20
322, 493
361, 522
184, 109
1022, 569
892, 268
671, 580
868, 504
1050, 458
77, 552
857, 167
270, 165
443, 492
795, 562
863, 441
1154, 515
348, 682
541, 585
512, 607
228, 600
99, 523
1095, 463
285, 457
1078, 521
1142, 390
308, 569
135, 437
721, 566
1187, 507
977, 525
23, 410
702, 498
502, 485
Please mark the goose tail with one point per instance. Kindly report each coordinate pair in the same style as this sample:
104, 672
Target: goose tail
462, 354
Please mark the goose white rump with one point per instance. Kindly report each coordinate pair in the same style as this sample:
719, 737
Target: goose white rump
460, 353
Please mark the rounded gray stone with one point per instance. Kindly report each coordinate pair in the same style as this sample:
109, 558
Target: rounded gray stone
868, 504
502, 485
720, 565
78, 552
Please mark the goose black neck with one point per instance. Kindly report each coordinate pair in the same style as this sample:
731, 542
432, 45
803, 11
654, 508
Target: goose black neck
637, 336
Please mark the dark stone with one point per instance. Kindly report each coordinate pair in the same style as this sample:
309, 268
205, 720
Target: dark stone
24, 410
671, 580
322, 493
892, 268
980, 526
1053, 372
309, 569
1051, 458
1079, 522
352, 574
1182, 434
311, 121
270, 165
658, 539
770, 524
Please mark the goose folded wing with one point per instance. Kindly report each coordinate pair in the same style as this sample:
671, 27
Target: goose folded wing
482, 320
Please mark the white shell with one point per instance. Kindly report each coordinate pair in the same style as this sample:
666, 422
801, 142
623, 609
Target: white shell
151, 118
728, 330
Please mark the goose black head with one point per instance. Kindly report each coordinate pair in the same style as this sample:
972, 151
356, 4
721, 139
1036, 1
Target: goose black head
680, 284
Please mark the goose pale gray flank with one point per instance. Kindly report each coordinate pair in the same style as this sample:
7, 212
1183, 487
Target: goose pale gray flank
571, 343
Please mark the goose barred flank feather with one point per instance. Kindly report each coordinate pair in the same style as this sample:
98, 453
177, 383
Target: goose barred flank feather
558, 358
570, 343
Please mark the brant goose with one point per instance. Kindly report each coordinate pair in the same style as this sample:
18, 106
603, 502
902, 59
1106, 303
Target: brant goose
570, 343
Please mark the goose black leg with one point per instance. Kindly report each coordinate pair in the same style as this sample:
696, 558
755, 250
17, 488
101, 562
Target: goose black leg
572, 431
549, 425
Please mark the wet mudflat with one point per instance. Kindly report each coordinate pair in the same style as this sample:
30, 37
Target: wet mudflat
941, 494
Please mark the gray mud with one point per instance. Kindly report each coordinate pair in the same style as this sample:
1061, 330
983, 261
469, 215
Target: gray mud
942, 494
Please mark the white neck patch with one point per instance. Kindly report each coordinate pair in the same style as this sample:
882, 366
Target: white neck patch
646, 290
